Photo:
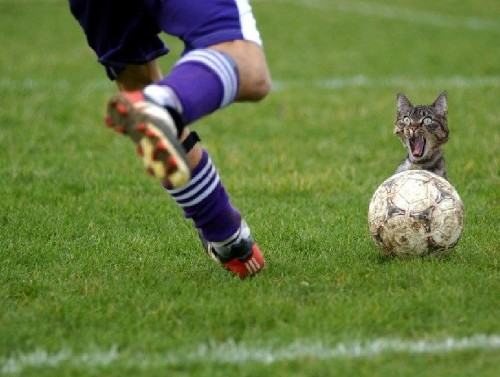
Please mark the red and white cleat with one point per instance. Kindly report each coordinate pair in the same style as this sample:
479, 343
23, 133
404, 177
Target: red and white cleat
154, 131
243, 257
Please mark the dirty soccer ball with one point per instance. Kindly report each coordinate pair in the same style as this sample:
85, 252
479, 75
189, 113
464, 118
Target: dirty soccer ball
415, 213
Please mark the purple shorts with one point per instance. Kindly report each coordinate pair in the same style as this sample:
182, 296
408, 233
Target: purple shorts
126, 32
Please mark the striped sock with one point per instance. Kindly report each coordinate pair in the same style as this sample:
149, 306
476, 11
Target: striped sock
201, 82
206, 202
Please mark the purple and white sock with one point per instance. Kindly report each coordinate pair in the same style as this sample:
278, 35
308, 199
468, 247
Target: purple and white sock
206, 202
201, 82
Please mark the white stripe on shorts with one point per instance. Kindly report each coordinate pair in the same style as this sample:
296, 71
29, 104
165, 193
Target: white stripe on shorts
248, 23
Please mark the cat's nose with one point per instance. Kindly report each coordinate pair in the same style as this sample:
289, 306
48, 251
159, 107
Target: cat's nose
409, 132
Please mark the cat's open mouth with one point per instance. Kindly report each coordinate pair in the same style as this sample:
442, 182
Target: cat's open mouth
417, 146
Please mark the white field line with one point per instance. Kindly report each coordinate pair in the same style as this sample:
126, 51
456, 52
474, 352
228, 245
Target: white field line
361, 81
231, 352
403, 14
328, 83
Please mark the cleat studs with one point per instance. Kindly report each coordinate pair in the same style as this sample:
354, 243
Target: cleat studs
160, 145
150, 171
141, 127
120, 129
108, 122
172, 163
139, 150
150, 133
121, 108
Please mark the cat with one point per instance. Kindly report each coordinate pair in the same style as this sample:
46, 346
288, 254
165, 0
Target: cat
423, 129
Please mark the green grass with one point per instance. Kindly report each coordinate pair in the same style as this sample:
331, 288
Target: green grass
100, 274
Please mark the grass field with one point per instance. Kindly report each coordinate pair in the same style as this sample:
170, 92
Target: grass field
100, 274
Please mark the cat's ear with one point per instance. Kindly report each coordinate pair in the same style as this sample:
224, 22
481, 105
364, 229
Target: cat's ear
404, 104
441, 104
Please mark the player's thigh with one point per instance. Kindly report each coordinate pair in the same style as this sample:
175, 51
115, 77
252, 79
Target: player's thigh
202, 23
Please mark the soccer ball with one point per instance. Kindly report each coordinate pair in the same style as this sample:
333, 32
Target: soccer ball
415, 213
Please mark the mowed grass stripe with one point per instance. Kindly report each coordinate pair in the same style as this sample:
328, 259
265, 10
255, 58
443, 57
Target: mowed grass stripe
415, 15
327, 83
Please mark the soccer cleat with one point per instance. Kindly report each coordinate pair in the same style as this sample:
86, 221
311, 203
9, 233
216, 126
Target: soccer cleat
242, 258
153, 129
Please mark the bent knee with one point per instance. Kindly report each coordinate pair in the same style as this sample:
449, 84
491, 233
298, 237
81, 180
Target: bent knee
253, 72
257, 88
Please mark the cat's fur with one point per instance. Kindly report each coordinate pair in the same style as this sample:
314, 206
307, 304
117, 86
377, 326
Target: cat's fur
423, 129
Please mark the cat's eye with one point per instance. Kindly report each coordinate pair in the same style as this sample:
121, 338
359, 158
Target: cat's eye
407, 120
427, 121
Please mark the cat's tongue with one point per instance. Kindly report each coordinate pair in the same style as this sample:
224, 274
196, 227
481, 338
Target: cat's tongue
417, 145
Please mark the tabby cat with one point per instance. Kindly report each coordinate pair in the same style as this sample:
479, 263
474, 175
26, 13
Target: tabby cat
423, 129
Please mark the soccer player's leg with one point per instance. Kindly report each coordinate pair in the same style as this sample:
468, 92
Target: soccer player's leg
223, 63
